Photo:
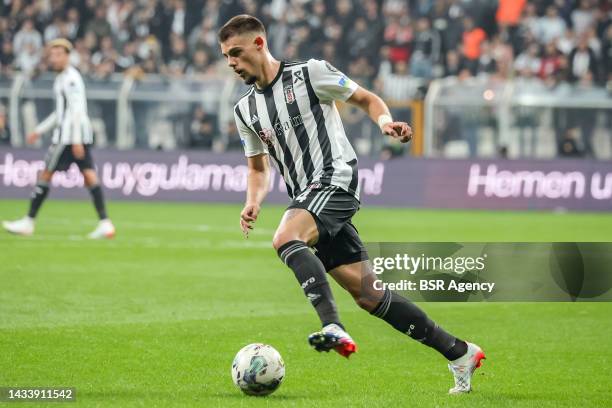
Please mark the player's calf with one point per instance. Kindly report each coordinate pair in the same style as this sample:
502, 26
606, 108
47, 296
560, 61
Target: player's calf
311, 276
408, 318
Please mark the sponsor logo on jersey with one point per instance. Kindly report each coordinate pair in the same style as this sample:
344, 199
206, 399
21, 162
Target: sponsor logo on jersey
267, 136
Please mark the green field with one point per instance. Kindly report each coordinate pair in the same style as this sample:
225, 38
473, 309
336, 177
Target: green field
154, 317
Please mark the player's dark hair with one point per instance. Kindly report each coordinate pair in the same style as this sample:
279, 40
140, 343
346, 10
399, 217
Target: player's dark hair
241, 24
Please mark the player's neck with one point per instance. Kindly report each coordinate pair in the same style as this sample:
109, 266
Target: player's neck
269, 71
63, 69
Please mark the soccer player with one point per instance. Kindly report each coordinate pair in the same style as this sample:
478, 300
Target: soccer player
72, 140
289, 115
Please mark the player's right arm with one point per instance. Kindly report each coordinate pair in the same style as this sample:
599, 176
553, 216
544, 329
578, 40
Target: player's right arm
258, 175
43, 127
258, 179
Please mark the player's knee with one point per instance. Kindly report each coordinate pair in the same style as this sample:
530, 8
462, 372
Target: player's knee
284, 235
367, 303
45, 176
366, 297
90, 178
281, 239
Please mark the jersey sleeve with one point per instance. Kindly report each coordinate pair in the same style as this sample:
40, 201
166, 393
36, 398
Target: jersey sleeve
46, 125
328, 82
250, 141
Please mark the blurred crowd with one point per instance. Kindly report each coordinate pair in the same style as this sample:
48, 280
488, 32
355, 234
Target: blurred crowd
567, 40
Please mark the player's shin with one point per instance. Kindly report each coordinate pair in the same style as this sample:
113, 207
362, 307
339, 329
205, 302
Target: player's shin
311, 275
38, 197
98, 200
406, 317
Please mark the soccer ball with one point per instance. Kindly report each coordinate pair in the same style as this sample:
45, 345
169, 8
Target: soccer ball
258, 369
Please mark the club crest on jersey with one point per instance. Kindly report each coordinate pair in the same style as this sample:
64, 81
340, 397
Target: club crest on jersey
289, 95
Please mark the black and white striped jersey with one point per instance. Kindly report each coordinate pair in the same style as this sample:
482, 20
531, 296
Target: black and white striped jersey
295, 120
69, 122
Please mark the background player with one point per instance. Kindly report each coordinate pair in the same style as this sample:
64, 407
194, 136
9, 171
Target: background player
72, 140
289, 114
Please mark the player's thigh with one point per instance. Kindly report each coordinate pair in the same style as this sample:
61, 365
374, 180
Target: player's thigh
296, 224
358, 279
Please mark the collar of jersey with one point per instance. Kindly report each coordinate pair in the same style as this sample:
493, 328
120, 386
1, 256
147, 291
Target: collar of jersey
271, 84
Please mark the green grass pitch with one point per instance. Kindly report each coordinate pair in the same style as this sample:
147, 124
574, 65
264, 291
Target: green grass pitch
154, 317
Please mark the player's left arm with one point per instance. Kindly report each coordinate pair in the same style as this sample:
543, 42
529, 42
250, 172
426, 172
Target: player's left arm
378, 111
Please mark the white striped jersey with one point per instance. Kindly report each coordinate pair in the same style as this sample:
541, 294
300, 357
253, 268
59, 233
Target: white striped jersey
69, 122
295, 120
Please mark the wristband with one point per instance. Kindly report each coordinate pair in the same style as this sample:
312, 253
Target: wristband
383, 120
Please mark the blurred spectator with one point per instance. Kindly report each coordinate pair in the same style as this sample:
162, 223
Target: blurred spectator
177, 61
472, 40
582, 63
362, 72
568, 146
434, 38
99, 25
127, 58
199, 67
486, 62
104, 69
607, 54
454, 64
5, 136
528, 63
73, 24
203, 128
106, 51
551, 26
27, 45
583, 17
179, 17
550, 64
54, 30
425, 50
397, 85
7, 58
508, 18
398, 35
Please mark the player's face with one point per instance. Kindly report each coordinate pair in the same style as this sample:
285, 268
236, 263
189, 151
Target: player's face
58, 58
243, 54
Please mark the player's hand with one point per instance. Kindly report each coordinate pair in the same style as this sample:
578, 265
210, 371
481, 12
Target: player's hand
78, 151
398, 130
247, 217
32, 137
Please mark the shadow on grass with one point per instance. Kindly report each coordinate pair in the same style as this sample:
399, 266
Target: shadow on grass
186, 395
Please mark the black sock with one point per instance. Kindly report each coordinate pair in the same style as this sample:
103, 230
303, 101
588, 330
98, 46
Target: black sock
98, 200
406, 317
311, 275
38, 196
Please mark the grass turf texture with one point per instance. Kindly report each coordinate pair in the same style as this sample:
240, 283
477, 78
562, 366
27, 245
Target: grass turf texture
154, 317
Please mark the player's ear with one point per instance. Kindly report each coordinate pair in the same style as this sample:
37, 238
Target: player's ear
259, 42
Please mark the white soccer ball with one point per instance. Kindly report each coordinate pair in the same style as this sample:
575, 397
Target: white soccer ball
258, 369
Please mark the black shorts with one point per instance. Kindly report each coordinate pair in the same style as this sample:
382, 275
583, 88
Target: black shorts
332, 209
60, 157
